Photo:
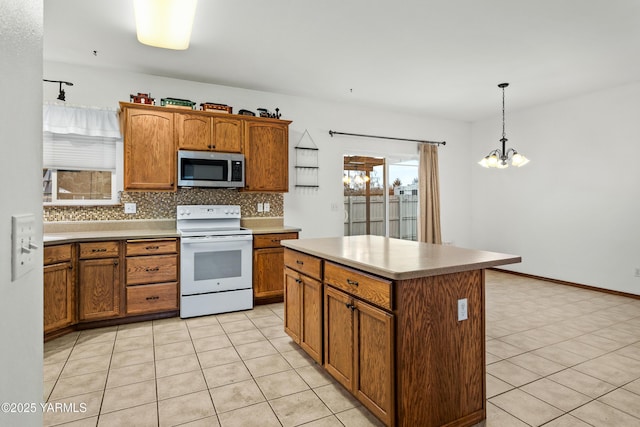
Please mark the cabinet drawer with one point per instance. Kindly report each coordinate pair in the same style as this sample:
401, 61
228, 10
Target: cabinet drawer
99, 250
271, 240
152, 247
56, 254
306, 264
152, 298
369, 288
152, 269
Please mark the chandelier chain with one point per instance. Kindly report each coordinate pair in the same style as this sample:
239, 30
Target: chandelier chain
503, 131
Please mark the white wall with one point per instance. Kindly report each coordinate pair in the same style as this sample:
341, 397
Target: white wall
20, 166
305, 208
572, 213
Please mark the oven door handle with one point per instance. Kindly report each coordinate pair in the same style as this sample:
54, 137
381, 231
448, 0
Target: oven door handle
215, 239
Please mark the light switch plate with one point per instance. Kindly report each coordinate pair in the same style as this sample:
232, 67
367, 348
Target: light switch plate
260, 207
463, 309
267, 207
23, 244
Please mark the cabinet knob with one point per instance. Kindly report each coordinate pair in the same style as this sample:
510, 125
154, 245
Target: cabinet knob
350, 306
298, 281
115, 262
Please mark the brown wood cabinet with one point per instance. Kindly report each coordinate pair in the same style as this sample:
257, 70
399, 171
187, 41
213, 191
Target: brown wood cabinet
206, 133
151, 275
268, 262
303, 302
152, 136
99, 281
266, 151
149, 149
59, 287
359, 350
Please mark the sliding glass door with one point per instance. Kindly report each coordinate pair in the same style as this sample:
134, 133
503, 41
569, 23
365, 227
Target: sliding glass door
380, 198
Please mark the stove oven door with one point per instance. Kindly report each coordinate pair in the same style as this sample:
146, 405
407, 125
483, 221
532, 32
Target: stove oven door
215, 264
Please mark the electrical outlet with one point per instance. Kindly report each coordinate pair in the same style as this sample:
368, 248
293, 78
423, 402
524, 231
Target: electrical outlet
267, 207
130, 208
334, 207
260, 207
463, 312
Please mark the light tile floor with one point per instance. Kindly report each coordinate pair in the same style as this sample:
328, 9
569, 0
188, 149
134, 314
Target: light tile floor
556, 356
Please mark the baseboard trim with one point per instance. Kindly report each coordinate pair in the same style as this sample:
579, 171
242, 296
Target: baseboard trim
563, 282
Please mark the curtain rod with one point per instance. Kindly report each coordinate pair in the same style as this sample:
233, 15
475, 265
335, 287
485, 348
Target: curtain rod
332, 132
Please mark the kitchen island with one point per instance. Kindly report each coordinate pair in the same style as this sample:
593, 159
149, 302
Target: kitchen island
400, 324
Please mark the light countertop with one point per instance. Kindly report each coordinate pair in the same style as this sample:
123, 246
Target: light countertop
399, 259
75, 231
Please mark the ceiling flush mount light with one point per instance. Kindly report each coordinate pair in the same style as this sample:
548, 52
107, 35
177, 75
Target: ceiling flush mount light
499, 158
165, 23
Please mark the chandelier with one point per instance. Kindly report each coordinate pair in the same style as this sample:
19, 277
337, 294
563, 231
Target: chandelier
499, 158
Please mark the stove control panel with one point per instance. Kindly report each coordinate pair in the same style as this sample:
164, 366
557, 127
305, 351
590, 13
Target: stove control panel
207, 211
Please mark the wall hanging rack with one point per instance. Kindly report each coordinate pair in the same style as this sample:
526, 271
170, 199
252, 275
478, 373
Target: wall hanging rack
306, 162
332, 132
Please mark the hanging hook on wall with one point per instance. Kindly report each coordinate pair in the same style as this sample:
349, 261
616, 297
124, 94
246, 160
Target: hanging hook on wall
61, 94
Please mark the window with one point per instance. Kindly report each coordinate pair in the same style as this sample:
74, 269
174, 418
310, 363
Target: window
81, 152
371, 207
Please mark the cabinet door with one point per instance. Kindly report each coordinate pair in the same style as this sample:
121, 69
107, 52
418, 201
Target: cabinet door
227, 135
338, 336
58, 296
267, 273
266, 152
193, 132
311, 330
99, 289
373, 360
149, 150
292, 304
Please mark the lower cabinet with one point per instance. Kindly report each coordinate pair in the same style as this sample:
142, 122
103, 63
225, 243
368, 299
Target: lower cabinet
99, 281
268, 262
113, 280
359, 350
152, 276
303, 312
58, 288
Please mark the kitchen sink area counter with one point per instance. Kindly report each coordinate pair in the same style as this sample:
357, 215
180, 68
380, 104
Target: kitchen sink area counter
75, 231
400, 324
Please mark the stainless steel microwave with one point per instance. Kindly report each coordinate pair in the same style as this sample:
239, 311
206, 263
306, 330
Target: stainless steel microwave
210, 169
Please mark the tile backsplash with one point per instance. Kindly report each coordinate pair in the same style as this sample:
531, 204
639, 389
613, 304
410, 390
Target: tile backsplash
162, 205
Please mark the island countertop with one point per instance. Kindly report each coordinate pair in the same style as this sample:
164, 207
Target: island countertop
398, 259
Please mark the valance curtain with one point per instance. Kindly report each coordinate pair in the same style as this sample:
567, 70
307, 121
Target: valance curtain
429, 221
79, 138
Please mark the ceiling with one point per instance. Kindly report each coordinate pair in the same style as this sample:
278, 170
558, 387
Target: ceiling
441, 58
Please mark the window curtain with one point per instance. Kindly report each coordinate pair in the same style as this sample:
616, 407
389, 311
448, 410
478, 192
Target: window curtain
79, 138
429, 220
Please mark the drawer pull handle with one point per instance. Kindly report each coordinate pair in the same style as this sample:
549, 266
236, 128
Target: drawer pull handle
298, 281
150, 270
275, 240
152, 248
299, 262
352, 282
99, 250
152, 298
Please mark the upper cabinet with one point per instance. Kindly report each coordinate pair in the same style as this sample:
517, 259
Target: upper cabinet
149, 150
266, 152
200, 132
152, 136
